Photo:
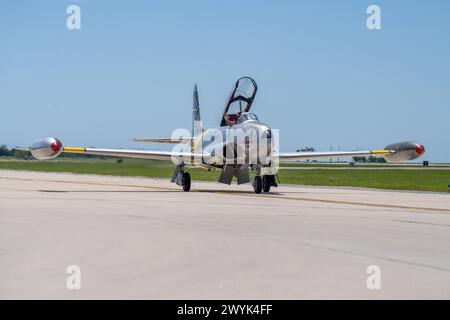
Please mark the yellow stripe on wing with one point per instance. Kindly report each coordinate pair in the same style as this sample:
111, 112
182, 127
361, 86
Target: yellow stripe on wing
74, 149
380, 152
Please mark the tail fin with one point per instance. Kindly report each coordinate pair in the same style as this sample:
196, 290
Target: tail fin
196, 119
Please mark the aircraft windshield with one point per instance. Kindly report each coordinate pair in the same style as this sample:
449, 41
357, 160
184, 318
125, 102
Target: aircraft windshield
240, 100
247, 117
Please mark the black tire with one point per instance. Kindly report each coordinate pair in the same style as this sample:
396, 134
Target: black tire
186, 182
267, 183
257, 184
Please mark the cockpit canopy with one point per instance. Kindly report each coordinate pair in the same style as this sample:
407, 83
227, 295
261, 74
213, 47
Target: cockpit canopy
247, 116
240, 101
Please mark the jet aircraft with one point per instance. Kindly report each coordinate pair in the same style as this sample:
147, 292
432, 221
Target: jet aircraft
240, 146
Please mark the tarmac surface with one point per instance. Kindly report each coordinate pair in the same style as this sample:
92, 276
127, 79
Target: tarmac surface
139, 238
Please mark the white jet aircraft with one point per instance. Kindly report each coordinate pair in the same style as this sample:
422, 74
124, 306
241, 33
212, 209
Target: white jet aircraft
240, 144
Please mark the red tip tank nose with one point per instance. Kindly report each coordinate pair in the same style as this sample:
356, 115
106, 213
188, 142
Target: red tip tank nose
420, 149
55, 146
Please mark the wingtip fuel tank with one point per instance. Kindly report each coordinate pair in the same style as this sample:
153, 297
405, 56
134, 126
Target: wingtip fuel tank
46, 148
404, 151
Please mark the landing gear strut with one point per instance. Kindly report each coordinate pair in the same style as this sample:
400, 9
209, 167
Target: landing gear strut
181, 178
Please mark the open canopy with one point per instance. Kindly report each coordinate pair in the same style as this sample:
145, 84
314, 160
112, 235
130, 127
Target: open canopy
240, 101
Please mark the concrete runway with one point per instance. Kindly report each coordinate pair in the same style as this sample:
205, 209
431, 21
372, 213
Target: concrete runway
144, 238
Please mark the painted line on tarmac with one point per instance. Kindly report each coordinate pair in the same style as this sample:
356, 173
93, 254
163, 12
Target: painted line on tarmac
379, 205
281, 197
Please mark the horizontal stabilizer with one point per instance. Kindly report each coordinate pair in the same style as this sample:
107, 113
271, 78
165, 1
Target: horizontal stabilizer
161, 140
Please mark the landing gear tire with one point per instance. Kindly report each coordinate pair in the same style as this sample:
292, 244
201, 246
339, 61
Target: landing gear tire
186, 182
257, 184
266, 183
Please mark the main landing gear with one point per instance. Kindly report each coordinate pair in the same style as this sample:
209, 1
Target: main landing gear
186, 183
181, 178
263, 183
257, 184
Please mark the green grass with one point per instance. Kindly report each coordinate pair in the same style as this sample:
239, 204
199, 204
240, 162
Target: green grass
398, 179
424, 179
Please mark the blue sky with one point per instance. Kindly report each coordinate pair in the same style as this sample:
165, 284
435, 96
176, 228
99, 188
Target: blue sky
324, 78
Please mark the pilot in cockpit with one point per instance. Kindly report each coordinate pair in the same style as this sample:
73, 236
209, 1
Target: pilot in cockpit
231, 119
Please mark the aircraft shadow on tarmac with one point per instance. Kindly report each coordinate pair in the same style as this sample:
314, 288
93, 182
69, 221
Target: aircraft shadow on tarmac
232, 191
109, 191
154, 191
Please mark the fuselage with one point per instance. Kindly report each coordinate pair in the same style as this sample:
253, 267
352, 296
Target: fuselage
247, 142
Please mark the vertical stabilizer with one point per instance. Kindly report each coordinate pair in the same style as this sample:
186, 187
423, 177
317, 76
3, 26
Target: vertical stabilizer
196, 119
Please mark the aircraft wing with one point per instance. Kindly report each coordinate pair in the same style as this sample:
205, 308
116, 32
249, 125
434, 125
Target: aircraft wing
22, 149
137, 154
49, 148
286, 157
